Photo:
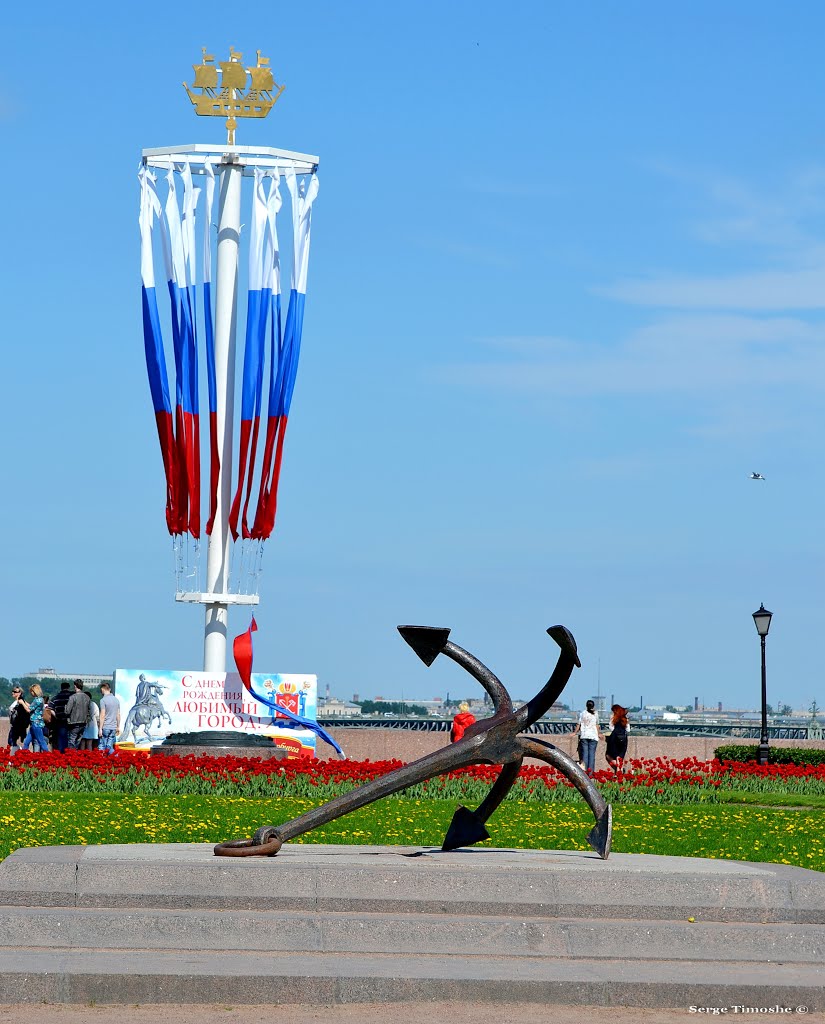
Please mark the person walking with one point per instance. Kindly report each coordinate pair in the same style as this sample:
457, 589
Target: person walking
35, 709
616, 745
19, 719
78, 712
109, 719
588, 731
60, 721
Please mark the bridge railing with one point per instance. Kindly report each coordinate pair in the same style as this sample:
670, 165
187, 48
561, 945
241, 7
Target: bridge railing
555, 728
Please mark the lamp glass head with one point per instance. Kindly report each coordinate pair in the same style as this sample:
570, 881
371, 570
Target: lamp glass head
762, 620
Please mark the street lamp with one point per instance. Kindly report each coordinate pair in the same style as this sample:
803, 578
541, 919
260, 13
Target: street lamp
762, 621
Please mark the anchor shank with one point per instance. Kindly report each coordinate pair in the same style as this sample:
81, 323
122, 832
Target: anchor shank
491, 683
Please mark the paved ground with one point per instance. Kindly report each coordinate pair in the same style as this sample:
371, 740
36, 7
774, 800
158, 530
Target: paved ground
371, 1013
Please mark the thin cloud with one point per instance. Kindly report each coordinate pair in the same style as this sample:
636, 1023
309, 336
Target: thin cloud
734, 211
763, 290
784, 224
731, 353
681, 355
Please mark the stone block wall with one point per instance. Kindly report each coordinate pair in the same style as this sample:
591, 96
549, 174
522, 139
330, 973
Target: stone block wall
406, 745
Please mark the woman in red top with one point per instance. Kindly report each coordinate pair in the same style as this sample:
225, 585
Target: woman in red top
463, 720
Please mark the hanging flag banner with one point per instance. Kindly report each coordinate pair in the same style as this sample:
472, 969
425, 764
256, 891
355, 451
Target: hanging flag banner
257, 311
179, 433
156, 704
150, 211
180, 233
209, 337
282, 379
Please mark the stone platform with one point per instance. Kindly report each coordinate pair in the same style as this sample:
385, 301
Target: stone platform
338, 924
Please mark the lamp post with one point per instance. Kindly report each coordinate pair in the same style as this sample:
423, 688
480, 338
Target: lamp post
762, 621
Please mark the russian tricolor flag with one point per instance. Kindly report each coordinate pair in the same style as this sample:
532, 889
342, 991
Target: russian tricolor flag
284, 370
179, 435
209, 336
153, 345
182, 295
257, 310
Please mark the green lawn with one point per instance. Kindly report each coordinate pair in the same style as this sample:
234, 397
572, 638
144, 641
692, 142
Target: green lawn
781, 835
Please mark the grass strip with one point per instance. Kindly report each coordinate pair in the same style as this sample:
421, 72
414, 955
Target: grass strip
714, 831
772, 799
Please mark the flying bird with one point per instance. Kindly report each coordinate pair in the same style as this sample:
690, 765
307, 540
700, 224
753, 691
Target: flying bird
756, 476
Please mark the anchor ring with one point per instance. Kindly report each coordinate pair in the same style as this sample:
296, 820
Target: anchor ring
265, 843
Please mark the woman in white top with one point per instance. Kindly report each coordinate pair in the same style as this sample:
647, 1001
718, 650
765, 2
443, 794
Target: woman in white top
89, 739
588, 730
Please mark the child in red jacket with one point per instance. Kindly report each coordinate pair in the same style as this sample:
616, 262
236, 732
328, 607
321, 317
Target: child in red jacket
463, 720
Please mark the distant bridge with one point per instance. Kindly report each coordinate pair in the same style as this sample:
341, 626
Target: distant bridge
736, 730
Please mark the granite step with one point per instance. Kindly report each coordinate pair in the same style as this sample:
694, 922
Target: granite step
30, 974
404, 934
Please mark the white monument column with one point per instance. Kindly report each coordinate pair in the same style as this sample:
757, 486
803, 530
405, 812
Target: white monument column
226, 309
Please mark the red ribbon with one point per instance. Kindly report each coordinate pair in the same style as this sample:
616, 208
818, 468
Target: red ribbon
242, 650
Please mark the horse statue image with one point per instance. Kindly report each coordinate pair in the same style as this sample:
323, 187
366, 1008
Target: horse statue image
146, 710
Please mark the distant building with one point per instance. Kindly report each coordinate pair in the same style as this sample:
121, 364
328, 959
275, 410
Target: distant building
45, 675
332, 707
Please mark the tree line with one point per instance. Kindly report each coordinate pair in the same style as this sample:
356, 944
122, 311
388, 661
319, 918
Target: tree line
49, 686
394, 707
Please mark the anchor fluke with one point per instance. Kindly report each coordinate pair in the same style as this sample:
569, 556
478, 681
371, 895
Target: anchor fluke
427, 641
564, 638
466, 829
600, 835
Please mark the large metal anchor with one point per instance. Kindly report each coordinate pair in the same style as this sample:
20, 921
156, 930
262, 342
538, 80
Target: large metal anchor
493, 740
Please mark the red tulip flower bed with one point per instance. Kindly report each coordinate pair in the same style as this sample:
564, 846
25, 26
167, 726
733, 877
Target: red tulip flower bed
658, 781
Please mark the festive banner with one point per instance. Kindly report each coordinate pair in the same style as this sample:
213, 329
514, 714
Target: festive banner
157, 704
180, 435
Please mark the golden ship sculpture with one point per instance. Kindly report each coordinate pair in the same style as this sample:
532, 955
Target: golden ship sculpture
228, 89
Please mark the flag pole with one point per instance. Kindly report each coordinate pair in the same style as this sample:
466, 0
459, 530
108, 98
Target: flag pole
226, 307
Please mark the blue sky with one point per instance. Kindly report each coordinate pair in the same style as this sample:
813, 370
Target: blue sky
566, 292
